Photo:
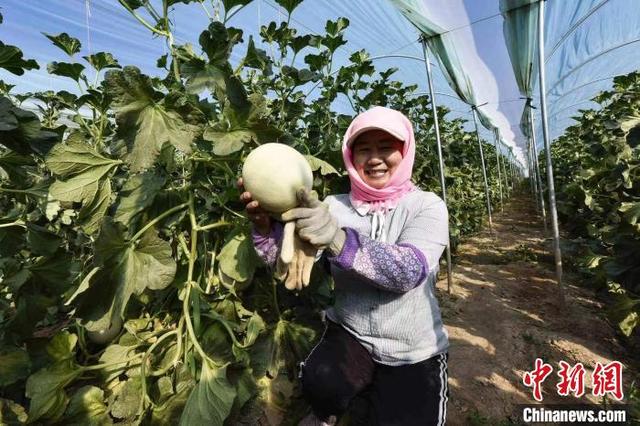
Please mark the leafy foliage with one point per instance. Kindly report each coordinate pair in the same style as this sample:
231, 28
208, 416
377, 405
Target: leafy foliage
597, 167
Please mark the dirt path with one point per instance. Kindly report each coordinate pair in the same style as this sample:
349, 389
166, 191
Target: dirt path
504, 311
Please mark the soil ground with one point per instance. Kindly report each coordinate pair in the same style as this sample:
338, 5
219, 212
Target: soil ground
504, 311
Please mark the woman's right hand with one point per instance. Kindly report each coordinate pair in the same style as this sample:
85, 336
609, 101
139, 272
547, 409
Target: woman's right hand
260, 218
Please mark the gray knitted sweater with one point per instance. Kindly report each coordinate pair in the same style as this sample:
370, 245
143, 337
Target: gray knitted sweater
384, 290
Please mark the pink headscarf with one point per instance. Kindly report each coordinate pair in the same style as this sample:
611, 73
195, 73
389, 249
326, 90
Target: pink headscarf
399, 126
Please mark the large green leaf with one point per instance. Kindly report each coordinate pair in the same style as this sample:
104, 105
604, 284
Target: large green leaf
129, 268
102, 60
280, 348
14, 365
76, 157
137, 194
289, 5
45, 388
62, 346
127, 400
65, 69
211, 401
86, 407
11, 59
225, 143
631, 211
66, 43
144, 122
318, 164
230, 4
20, 130
86, 180
238, 259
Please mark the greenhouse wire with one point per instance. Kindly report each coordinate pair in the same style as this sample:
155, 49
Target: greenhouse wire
547, 144
434, 109
592, 58
574, 27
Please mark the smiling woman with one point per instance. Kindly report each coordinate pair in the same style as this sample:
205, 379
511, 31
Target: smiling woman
382, 242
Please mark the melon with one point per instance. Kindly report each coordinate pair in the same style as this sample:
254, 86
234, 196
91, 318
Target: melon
273, 173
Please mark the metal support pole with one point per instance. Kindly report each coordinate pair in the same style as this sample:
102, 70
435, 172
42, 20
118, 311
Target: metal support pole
495, 135
532, 173
547, 146
484, 170
537, 167
506, 175
440, 159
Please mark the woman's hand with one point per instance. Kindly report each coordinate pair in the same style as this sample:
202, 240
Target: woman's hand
260, 218
314, 223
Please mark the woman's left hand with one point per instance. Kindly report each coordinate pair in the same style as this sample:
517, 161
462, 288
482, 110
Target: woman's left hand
314, 222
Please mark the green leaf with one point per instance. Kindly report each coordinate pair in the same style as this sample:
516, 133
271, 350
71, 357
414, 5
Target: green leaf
230, 4
86, 407
127, 400
217, 42
631, 211
65, 69
280, 348
41, 240
324, 167
128, 269
45, 388
211, 400
115, 354
336, 27
145, 124
138, 194
238, 258
225, 143
12, 413
14, 365
202, 76
20, 130
68, 44
62, 346
11, 60
168, 414
76, 157
289, 5
102, 60
258, 58
629, 323
86, 175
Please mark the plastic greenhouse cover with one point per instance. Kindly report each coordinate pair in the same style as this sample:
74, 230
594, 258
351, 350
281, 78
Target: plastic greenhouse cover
587, 43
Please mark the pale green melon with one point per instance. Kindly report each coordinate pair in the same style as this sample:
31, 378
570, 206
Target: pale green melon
273, 173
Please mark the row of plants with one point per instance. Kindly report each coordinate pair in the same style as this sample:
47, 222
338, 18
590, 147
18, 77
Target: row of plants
130, 288
597, 171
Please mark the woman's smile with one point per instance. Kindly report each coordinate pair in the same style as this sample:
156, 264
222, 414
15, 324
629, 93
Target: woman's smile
376, 156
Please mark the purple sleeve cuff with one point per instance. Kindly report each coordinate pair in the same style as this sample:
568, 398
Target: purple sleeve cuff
421, 258
347, 256
267, 245
394, 267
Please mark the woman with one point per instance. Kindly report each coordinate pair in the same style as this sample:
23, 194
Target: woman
384, 337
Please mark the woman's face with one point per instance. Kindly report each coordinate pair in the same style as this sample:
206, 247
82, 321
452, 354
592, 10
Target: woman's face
376, 156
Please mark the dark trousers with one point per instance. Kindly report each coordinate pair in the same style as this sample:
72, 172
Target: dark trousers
339, 376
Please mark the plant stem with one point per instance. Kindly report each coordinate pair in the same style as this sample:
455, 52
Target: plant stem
214, 225
142, 21
16, 223
275, 296
158, 219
